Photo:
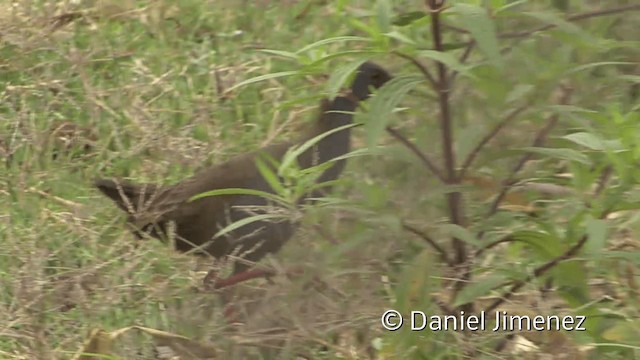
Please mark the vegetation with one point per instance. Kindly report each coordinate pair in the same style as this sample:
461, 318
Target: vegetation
496, 171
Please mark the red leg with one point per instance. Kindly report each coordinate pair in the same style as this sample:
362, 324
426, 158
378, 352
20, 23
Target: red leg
240, 277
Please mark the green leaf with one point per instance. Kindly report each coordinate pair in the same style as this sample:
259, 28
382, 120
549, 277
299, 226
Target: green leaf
383, 15
479, 287
245, 221
519, 91
633, 257
239, 191
552, 19
511, 4
383, 103
356, 153
569, 109
340, 76
281, 53
293, 153
365, 54
632, 78
593, 142
449, 60
400, 37
622, 332
561, 153
263, 78
541, 242
482, 28
364, 27
269, 175
597, 64
331, 41
597, 230
461, 233
408, 18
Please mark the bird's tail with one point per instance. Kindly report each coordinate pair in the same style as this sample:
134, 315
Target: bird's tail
128, 196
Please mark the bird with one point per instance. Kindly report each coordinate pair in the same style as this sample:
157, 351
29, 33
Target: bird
155, 209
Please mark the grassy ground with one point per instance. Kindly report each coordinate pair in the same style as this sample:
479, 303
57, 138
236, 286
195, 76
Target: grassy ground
146, 83
149, 87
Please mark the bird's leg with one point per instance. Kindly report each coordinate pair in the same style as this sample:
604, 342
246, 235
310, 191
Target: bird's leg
210, 278
243, 276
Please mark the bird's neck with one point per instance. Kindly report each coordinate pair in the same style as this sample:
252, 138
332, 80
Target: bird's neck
338, 113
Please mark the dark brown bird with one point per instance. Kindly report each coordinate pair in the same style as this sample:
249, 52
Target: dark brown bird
152, 207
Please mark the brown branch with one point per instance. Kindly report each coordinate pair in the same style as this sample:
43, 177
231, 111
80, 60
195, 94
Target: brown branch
542, 269
456, 28
463, 59
446, 125
423, 69
537, 142
603, 180
454, 198
419, 153
474, 153
575, 17
570, 18
539, 271
443, 254
492, 245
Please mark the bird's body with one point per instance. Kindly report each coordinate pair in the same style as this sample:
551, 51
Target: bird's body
152, 208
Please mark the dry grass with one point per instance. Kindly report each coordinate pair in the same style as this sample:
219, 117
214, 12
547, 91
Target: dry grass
145, 86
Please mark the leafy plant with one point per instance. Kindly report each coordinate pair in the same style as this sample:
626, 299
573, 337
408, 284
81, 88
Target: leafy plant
541, 119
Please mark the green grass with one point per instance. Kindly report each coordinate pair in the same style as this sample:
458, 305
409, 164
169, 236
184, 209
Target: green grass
149, 82
142, 77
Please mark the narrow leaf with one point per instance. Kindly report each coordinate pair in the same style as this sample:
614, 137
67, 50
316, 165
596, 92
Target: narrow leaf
340, 76
482, 28
593, 141
448, 59
562, 24
246, 221
461, 233
331, 41
408, 18
597, 231
478, 288
239, 191
262, 78
269, 175
295, 152
561, 153
281, 53
382, 105
383, 15
598, 64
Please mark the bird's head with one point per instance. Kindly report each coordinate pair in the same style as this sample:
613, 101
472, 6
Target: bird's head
368, 75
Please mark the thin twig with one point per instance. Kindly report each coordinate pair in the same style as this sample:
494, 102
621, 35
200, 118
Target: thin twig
423, 68
538, 141
463, 59
474, 153
525, 33
539, 271
419, 153
603, 179
575, 17
492, 245
443, 254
